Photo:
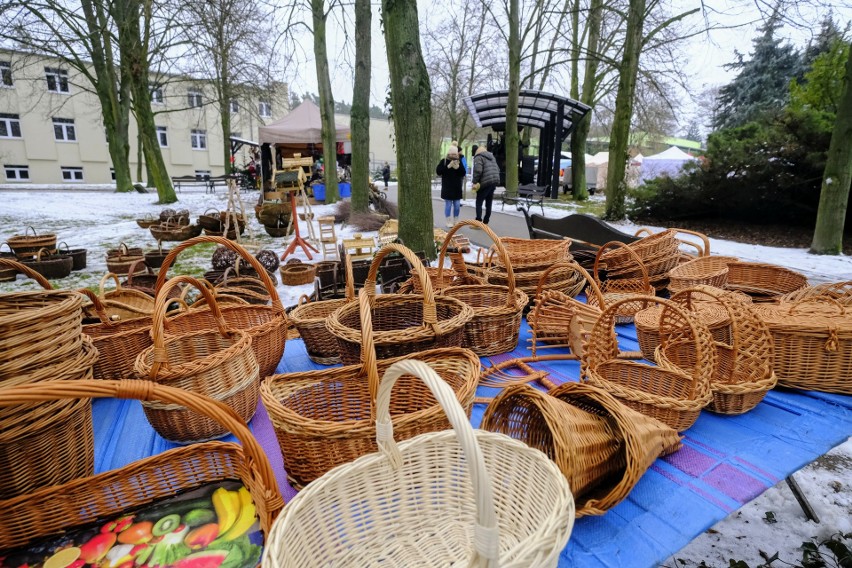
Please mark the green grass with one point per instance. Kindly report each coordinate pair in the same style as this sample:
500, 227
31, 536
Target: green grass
567, 203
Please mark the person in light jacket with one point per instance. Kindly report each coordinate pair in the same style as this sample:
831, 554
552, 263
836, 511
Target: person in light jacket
452, 174
486, 177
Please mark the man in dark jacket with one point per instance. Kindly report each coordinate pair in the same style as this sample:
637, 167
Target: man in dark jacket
486, 177
386, 174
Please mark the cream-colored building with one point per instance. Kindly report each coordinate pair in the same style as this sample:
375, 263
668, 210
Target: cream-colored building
51, 127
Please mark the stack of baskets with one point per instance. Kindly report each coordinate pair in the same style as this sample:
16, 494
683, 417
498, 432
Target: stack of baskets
658, 253
601, 446
530, 259
497, 310
401, 323
632, 284
764, 282
813, 343
674, 396
214, 224
43, 443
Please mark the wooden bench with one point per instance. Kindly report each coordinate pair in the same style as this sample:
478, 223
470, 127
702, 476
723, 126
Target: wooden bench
528, 195
210, 182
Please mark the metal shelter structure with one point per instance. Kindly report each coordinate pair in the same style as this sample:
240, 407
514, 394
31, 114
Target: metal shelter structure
554, 116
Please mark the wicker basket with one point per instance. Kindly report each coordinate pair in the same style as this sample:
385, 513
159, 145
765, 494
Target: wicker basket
309, 318
211, 219
672, 396
267, 325
813, 344
85, 501
78, 256
705, 270
710, 313
118, 342
402, 323
248, 288
173, 231
615, 290
497, 310
297, 274
219, 364
147, 221
325, 418
124, 303
27, 246
533, 253
657, 265
421, 503
645, 248
155, 258
52, 267
743, 373
121, 259
764, 282
143, 281
602, 447
839, 291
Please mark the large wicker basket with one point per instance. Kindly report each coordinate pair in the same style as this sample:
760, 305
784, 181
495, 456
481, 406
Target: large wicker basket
840, 291
497, 310
533, 253
27, 246
672, 396
325, 418
600, 445
764, 282
266, 324
743, 373
402, 323
82, 502
710, 313
616, 290
174, 231
705, 270
454, 498
215, 363
124, 303
813, 344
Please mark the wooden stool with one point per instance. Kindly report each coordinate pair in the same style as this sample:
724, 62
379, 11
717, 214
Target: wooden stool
359, 248
328, 237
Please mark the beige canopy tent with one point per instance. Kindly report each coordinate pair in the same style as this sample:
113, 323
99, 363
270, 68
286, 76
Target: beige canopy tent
300, 126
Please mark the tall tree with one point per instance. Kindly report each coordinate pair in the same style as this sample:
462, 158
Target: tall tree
512, 138
360, 113
81, 36
326, 101
411, 96
834, 198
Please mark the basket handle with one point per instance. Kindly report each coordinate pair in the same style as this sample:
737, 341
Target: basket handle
209, 209
303, 299
632, 254
132, 270
159, 246
161, 306
368, 348
643, 232
123, 250
702, 250
258, 267
430, 314
817, 300
498, 246
40, 252
349, 284
67, 248
486, 531
27, 271
8, 245
257, 467
106, 277
26, 232
577, 268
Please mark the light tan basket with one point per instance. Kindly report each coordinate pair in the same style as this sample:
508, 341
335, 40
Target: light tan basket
459, 497
711, 313
616, 290
764, 282
705, 270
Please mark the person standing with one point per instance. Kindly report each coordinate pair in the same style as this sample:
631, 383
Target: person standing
463, 162
486, 177
386, 174
452, 174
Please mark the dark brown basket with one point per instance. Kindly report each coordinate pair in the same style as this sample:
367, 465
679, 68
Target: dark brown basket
78, 256
154, 258
147, 221
171, 231
51, 266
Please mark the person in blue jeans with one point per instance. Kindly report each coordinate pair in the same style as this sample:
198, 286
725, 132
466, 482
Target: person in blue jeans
452, 175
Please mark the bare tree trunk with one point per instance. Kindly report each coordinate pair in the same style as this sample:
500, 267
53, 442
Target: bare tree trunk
511, 134
140, 159
360, 114
616, 186
326, 99
581, 132
225, 93
411, 95
834, 197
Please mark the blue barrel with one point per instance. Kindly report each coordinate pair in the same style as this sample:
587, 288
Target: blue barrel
345, 189
319, 192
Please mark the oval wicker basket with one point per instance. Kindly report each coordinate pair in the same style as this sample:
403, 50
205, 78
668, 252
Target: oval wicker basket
248, 288
764, 282
155, 258
297, 274
218, 364
615, 290
645, 248
712, 314
50, 266
121, 259
123, 303
533, 253
402, 323
839, 291
84, 502
172, 231
510, 496
27, 246
497, 310
672, 396
147, 221
705, 270
78, 256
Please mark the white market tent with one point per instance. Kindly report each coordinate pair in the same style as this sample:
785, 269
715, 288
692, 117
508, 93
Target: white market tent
598, 159
302, 125
667, 163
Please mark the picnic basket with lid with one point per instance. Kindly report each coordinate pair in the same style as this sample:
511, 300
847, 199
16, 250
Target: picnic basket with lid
325, 418
27, 245
459, 497
615, 290
600, 445
743, 372
216, 363
764, 282
673, 396
813, 343
84, 501
497, 310
267, 324
309, 318
401, 323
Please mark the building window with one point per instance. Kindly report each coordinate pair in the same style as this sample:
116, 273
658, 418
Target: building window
264, 109
72, 174
10, 126
57, 79
5, 74
17, 173
63, 130
234, 106
162, 136
156, 95
199, 139
193, 98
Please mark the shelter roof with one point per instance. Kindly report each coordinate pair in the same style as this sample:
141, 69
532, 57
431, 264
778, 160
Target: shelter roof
535, 108
302, 125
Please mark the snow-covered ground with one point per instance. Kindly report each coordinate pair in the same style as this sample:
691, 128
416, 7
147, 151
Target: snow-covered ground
99, 220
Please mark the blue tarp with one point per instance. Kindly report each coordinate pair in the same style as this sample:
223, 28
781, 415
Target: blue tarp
725, 462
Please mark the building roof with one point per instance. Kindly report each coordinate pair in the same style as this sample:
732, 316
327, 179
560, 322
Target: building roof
535, 108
